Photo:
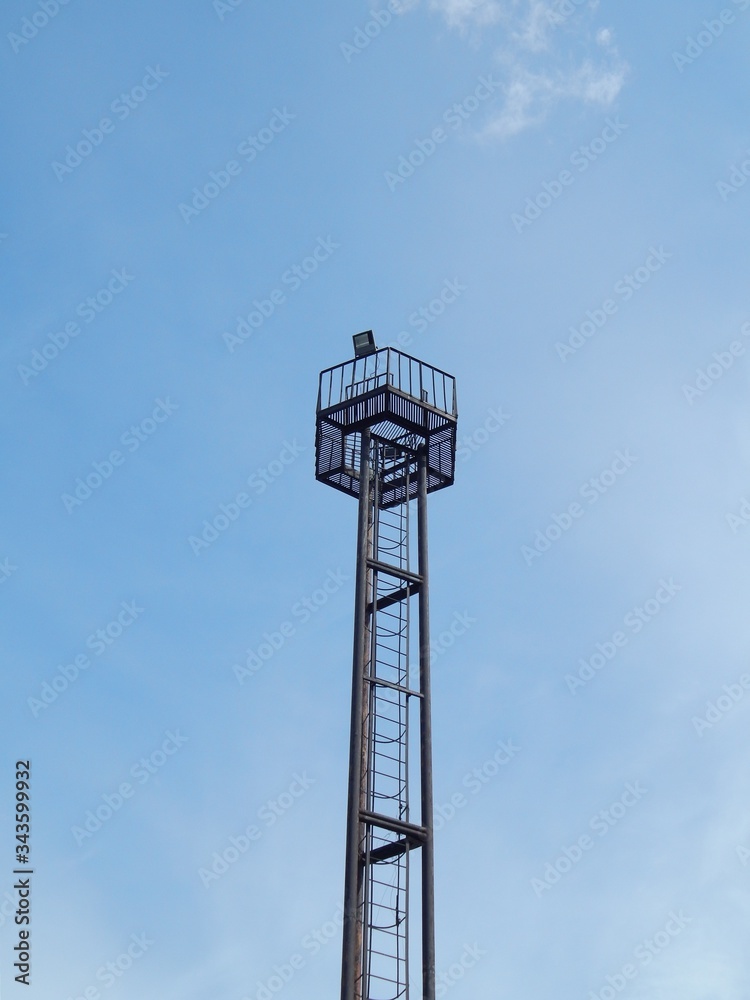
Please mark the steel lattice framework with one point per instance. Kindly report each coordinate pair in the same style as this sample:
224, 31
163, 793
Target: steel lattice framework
386, 434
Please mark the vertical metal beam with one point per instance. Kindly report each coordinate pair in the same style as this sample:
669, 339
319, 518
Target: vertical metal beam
428, 857
351, 962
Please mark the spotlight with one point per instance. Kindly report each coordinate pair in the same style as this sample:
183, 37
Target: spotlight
364, 344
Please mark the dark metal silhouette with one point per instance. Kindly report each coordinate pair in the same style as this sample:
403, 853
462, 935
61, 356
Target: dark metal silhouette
386, 434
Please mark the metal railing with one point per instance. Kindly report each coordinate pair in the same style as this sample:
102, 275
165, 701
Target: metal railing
400, 371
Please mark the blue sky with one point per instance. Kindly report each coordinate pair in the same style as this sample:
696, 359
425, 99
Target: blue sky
200, 204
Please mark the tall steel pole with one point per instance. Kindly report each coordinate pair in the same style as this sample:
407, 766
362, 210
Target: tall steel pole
351, 973
425, 730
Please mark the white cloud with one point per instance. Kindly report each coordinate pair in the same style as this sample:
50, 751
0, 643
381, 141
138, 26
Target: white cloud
529, 96
459, 13
526, 97
536, 81
595, 85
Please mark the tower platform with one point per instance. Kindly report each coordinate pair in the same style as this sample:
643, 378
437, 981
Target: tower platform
404, 402
386, 434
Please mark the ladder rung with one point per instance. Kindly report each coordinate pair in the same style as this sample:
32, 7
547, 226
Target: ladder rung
395, 598
397, 571
395, 687
411, 830
392, 850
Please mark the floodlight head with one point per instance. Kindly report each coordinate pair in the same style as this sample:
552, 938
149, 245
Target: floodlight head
364, 344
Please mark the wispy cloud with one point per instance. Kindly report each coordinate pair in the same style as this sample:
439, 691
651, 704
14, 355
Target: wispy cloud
535, 27
462, 13
527, 96
538, 74
530, 96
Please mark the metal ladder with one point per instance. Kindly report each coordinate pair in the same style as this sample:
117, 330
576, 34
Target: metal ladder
386, 752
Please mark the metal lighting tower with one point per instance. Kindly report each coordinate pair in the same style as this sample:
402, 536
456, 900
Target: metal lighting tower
386, 434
